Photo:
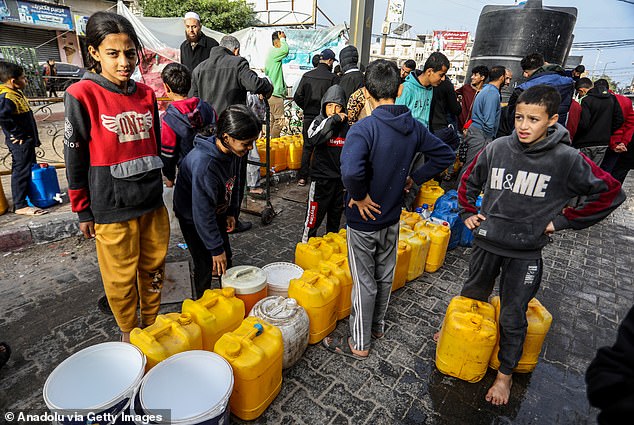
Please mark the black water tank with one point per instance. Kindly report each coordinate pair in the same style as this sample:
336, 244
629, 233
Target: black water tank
506, 34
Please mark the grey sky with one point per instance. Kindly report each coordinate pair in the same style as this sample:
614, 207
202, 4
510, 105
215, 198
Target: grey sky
597, 20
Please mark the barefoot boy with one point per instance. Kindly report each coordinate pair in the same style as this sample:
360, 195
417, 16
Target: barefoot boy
527, 179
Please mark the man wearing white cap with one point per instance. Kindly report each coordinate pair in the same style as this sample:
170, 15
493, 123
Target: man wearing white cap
197, 45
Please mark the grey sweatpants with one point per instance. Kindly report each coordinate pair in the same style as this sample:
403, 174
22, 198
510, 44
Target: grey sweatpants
372, 259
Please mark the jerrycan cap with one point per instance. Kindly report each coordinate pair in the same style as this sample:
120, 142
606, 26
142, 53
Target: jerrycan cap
233, 348
228, 292
184, 319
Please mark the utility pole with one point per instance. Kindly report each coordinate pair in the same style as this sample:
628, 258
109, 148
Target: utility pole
361, 12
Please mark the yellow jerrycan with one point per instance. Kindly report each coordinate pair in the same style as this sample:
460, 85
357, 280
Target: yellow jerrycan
255, 351
539, 321
281, 160
428, 193
439, 236
420, 244
467, 339
170, 334
318, 293
217, 312
295, 155
261, 147
403, 256
338, 267
309, 254
410, 218
337, 242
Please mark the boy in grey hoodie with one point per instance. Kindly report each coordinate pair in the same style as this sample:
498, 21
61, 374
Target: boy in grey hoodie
527, 179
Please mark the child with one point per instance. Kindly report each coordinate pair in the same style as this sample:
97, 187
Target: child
326, 135
20, 132
206, 194
375, 165
111, 148
527, 179
184, 117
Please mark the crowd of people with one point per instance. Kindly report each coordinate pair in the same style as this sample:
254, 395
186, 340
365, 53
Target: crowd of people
544, 162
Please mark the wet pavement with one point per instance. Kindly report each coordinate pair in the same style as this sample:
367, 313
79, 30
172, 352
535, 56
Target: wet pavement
48, 311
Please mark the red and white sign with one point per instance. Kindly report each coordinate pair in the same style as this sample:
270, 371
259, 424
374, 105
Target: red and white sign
450, 40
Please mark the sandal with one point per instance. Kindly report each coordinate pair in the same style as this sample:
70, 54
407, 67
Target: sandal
5, 353
301, 182
31, 211
341, 345
377, 335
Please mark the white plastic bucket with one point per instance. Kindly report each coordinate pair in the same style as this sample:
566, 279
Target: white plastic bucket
101, 379
194, 386
279, 275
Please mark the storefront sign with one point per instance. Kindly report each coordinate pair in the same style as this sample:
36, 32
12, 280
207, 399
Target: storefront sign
46, 15
80, 25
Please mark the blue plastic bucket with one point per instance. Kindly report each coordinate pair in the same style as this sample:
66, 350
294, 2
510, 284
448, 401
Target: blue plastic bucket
101, 379
194, 386
44, 186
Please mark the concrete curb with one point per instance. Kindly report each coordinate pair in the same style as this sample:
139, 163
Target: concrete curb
60, 226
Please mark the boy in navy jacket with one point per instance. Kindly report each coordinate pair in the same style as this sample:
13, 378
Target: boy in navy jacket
375, 169
326, 135
182, 120
527, 178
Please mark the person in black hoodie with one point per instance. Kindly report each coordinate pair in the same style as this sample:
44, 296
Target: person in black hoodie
206, 194
311, 88
528, 179
601, 116
326, 135
352, 78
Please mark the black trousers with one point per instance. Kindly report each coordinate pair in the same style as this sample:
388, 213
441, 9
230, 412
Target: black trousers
22, 160
307, 152
203, 264
325, 197
519, 283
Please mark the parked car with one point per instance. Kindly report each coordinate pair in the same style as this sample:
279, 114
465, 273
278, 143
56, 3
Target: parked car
67, 74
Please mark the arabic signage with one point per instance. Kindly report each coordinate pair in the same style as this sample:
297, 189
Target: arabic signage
38, 14
450, 40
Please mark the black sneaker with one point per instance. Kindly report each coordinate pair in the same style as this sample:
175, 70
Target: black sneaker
241, 226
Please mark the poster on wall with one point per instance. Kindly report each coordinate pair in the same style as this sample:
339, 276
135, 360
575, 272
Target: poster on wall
80, 24
46, 15
450, 40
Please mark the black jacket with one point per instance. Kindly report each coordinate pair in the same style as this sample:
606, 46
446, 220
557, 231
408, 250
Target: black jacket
443, 102
312, 87
601, 116
224, 80
351, 82
192, 57
328, 135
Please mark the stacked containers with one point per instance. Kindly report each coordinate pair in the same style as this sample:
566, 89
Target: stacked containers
420, 245
279, 275
439, 237
338, 267
295, 154
170, 334
466, 339
428, 193
539, 321
249, 283
281, 157
451, 217
255, 352
291, 319
309, 254
403, 256
318, 294
410, 218
217, 312
336, 240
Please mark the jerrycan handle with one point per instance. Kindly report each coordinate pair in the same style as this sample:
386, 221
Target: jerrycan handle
212, 301
159, 330
313, 279
256, 331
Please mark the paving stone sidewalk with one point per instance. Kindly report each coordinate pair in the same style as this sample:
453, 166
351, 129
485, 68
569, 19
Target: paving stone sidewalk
48, 296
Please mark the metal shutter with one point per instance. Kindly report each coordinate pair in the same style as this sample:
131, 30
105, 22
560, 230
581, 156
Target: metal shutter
31, 37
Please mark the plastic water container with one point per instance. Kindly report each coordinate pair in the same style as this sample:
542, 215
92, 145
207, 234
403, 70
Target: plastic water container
428, 193
410, 218
249, 282
318, 294
467, 339
217, 312
44, 187
403, 256
439, 236
295, 155
309, 254
255, 352
291, 319
102, 378
281, 160
335, 240
539, 321
194, 386
279, 275
455, 224
338, 267
420, 245
448, 201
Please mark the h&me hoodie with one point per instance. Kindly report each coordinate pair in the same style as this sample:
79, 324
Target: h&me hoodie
377, 158
527, 186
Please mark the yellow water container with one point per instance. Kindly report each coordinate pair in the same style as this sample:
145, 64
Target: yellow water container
428, 193
281, 160
403, 256
467, 339
255, 351
170, 334
337, 242
439, 235
261, 147
217, 312
410, 218
318, 294
338, 267
420, 245
309, 254
539, 321
295, 154
4, 204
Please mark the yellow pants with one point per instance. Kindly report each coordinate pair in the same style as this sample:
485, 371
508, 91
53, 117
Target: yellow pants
131, 258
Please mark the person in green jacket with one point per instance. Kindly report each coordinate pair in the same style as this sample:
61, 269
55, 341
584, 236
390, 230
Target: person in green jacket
273, 70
